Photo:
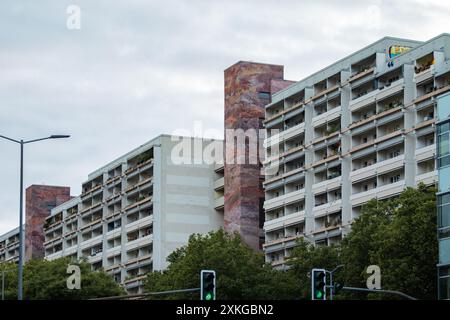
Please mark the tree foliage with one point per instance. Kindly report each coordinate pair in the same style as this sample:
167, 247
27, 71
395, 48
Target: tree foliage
47, 280
241, 272
399, 235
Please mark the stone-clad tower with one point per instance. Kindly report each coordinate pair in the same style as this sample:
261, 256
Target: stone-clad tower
39, 201
247, 91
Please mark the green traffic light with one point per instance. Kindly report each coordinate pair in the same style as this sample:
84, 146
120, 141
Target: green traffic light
208, 296
319, 295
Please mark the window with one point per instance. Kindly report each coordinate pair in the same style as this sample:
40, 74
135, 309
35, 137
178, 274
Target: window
444, 250
444, 178
395, 178
444, 215
264, 95
394, 154
443, 145
444, 282
443, 107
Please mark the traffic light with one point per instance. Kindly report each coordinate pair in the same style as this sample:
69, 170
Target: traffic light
208, 285
318, 284
337, 287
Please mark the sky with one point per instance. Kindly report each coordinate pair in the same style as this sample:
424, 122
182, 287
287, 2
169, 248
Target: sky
135, 69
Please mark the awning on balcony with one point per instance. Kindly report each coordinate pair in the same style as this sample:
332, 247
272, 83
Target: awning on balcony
424, 131
389, 118
390, 143
274, 122
294, 156
295, 177
334, 163
362, 153
425, 104
274, 185
363, 128
293, 113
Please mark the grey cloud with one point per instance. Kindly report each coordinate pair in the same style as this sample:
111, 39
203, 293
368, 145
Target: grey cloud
140, 68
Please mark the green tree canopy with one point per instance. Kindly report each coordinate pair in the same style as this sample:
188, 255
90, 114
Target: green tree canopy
398, 235
305, 257
48, 280
241, 272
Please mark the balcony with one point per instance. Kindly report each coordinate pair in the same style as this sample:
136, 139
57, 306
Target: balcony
219, 184
390, 89
218, 167
363, 100
284, 221
327, 208
434, 92
363, 72
140, 223
136, 243
428, 178
325, 185
425, 153
139, 186
385, 191
284, 199
219, 203
328, 116
139, 201
377, 168
140, 165
285, 135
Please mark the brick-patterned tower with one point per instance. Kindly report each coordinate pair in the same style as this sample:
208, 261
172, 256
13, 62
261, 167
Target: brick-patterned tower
247, 91
39, 201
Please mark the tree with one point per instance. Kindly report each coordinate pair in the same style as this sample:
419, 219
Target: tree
399, 235
305, 257
241, 272
48, 280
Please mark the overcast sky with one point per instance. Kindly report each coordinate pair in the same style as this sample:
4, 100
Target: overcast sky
139, 68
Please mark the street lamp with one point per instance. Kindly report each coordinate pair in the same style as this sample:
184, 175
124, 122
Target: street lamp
22, 143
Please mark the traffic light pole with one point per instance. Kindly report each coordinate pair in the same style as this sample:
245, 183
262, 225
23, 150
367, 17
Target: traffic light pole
398, 293
331, 286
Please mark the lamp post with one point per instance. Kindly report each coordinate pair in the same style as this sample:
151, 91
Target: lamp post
22, 143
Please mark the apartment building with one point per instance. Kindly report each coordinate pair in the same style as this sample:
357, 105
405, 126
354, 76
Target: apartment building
443, 196
359, 129
135, 211
9, 246
39, 200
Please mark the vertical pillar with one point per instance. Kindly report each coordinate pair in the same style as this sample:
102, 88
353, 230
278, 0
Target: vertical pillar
39, 202
247, 91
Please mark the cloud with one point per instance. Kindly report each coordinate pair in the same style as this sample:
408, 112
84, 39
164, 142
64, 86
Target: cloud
139, 68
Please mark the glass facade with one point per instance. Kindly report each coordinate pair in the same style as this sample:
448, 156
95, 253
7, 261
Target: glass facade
444, 282
444, 109
443, 198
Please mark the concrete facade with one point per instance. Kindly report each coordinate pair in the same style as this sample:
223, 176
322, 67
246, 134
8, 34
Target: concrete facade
359, 129
9, 246
39, 200
137, 210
